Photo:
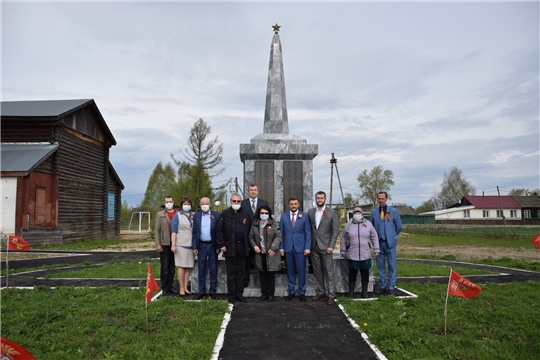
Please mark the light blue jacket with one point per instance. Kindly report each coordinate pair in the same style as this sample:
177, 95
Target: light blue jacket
392, 224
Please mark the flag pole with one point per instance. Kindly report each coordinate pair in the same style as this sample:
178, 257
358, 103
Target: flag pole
146, 311
446, 302
7, 262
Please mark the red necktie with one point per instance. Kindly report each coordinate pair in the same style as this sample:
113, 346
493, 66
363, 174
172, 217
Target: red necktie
293, 220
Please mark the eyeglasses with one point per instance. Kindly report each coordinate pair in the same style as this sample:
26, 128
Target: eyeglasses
264, 213
236, 201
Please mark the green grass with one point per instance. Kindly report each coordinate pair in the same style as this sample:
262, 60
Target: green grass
129, 270
109, 322
466, 239
134, 270
487, 231
502, 323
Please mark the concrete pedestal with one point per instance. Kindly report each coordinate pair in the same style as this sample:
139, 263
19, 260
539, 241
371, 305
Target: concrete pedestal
254, 289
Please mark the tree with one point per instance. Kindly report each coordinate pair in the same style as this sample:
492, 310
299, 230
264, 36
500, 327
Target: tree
350, 200
519, 192
201, 156
162, 181
376, 181
425, 207
453, 188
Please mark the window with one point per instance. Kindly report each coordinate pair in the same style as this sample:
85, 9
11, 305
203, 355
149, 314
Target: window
513, 213
466, 213
527, 213
485, 213
499, 213
110, 207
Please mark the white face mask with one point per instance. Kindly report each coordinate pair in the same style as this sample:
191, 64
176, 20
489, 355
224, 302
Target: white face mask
169, 206
186, 208
264, 217
357, 217
236, 207
205, 208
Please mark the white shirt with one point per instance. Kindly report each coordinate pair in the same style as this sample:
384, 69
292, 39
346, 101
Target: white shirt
318, 216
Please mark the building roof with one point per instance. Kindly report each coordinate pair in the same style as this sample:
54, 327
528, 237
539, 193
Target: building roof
56, 109
528, 201
40, 108
489, 202
447, 211
115, 175
24, 157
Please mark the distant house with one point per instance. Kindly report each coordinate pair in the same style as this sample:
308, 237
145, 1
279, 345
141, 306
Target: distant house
58, 184
530, 206
477, 208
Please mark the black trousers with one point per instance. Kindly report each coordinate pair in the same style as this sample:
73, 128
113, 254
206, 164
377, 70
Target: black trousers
166, 258
268, 278
236, 266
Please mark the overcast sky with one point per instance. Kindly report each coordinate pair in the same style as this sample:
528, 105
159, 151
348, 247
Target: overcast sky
415, 87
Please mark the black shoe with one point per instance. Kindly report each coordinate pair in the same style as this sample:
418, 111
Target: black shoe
364, 295
390, 293
213, 296
231, 299
270, 298
381, 292
200, 296
264, 297
289, 297
303, 298
241, 299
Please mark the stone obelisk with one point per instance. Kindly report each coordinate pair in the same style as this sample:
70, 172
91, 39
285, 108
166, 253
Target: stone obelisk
281, 164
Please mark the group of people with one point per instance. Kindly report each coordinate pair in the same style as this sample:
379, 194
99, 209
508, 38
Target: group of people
248, 230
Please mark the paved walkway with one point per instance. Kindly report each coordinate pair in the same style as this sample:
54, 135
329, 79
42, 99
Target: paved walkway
262, 330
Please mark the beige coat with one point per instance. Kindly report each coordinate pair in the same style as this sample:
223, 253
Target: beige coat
162, 229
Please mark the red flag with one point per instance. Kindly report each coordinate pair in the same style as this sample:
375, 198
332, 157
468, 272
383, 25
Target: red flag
536, 241
460, 286
12, 351
17, 243
151, 284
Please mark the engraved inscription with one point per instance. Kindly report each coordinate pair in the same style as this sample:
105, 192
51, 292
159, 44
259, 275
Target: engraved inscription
293, 185
264, 178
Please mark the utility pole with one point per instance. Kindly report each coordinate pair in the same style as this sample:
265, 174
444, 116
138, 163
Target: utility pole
333, 161
502, 210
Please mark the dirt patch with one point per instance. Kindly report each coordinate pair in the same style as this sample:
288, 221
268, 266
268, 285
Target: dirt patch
131, 246
463, 252
26, 256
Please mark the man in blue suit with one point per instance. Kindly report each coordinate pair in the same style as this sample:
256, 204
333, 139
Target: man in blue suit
295, 246
387, 222
205, 246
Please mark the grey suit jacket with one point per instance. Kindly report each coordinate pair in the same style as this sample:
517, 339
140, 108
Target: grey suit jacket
326, 235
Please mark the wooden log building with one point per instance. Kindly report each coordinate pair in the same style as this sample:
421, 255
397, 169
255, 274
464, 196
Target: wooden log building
58, 184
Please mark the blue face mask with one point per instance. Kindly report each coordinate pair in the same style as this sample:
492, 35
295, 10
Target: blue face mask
186, 208
264, 217
357, 217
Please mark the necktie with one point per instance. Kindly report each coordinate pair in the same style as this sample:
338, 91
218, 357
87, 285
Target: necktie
253, 206
293, 220
382, 213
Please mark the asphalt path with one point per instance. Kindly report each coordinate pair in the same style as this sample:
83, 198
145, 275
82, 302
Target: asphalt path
261, 330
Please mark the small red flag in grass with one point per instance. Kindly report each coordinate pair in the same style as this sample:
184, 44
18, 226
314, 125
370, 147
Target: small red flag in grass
536, 241
151, 285
459, 286
13, 351
17, 243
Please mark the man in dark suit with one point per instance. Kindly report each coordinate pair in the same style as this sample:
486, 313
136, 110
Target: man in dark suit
324, 231
205, 246
295, 246
249, 207
232, 238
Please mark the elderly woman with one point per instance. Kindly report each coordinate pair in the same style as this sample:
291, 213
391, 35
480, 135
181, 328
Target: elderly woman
181, 244
355, 247
264, 238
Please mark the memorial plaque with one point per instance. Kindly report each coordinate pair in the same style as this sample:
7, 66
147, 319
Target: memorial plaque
293, 183
264, 178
